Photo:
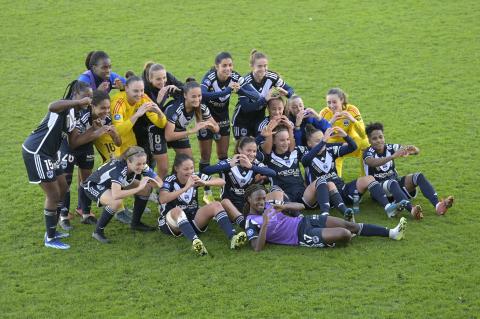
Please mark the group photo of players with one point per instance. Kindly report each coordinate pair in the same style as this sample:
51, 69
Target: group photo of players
281, 183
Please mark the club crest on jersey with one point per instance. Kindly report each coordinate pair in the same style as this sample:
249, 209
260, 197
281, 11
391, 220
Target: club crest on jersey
243, 132
100, 187
50, 174
250, 232
346, 122
117, 117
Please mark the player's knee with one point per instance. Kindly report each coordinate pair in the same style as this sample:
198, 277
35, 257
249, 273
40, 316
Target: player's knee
331, 186
177, 214
216, 206
345, 234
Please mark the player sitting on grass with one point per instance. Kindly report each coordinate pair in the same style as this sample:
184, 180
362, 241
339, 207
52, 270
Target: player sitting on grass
379, 161
320, 165
183, 215
271, 223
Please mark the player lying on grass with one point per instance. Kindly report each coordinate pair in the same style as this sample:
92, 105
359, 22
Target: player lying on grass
183, 214
118, 179
320, 164
272, 224
379, 161
239, 172
40, 154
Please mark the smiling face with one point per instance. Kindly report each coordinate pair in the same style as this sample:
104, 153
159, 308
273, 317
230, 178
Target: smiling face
275, 108
250, 150
224, 69
158, 78
314, 139
102, 69
259, 68
281, 140
136, 164
134, 92
377, 140
334, 102
101, 110
257, 201
296, 106
193, 97
184, 170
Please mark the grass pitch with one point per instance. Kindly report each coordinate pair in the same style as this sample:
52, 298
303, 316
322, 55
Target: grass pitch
412, 65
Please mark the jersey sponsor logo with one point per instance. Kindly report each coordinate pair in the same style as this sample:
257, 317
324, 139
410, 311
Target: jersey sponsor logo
117, 117
286, 161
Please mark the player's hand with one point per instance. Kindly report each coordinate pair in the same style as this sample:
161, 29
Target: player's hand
153, 182
190, 182
328, 134
411, 149
402, 152
309, 112
244, 161
282, 91
267, 214
348, 115
339, 131
200, 126
235, 160
279, 207
118, 84
104, 86
84, 102
299, 118
198, 181
235, 86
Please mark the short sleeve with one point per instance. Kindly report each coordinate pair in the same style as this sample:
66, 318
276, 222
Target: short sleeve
252, 229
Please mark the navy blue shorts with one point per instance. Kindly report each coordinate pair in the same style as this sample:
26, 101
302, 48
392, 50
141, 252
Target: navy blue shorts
94, 191
245, 129
310, 231
84, 159
183, 143
156, 140
206, 134
41, 168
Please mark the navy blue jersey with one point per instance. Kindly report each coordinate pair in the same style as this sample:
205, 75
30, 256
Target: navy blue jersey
287, 167
237, 178
47, 137
216, 94
323, 165
187, 201
258, 137
386, 171
249, 109
115, 171
177, 115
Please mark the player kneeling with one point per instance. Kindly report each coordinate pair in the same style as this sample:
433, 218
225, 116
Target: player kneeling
271, 223
182, 214
117, 179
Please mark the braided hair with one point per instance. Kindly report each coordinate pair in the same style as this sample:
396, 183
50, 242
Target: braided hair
248, 192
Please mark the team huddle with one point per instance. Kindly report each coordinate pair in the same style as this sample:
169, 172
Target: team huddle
132, 121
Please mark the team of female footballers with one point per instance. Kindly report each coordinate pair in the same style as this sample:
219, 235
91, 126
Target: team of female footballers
132, 128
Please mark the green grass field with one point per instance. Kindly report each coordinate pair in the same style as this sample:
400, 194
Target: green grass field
412, 65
